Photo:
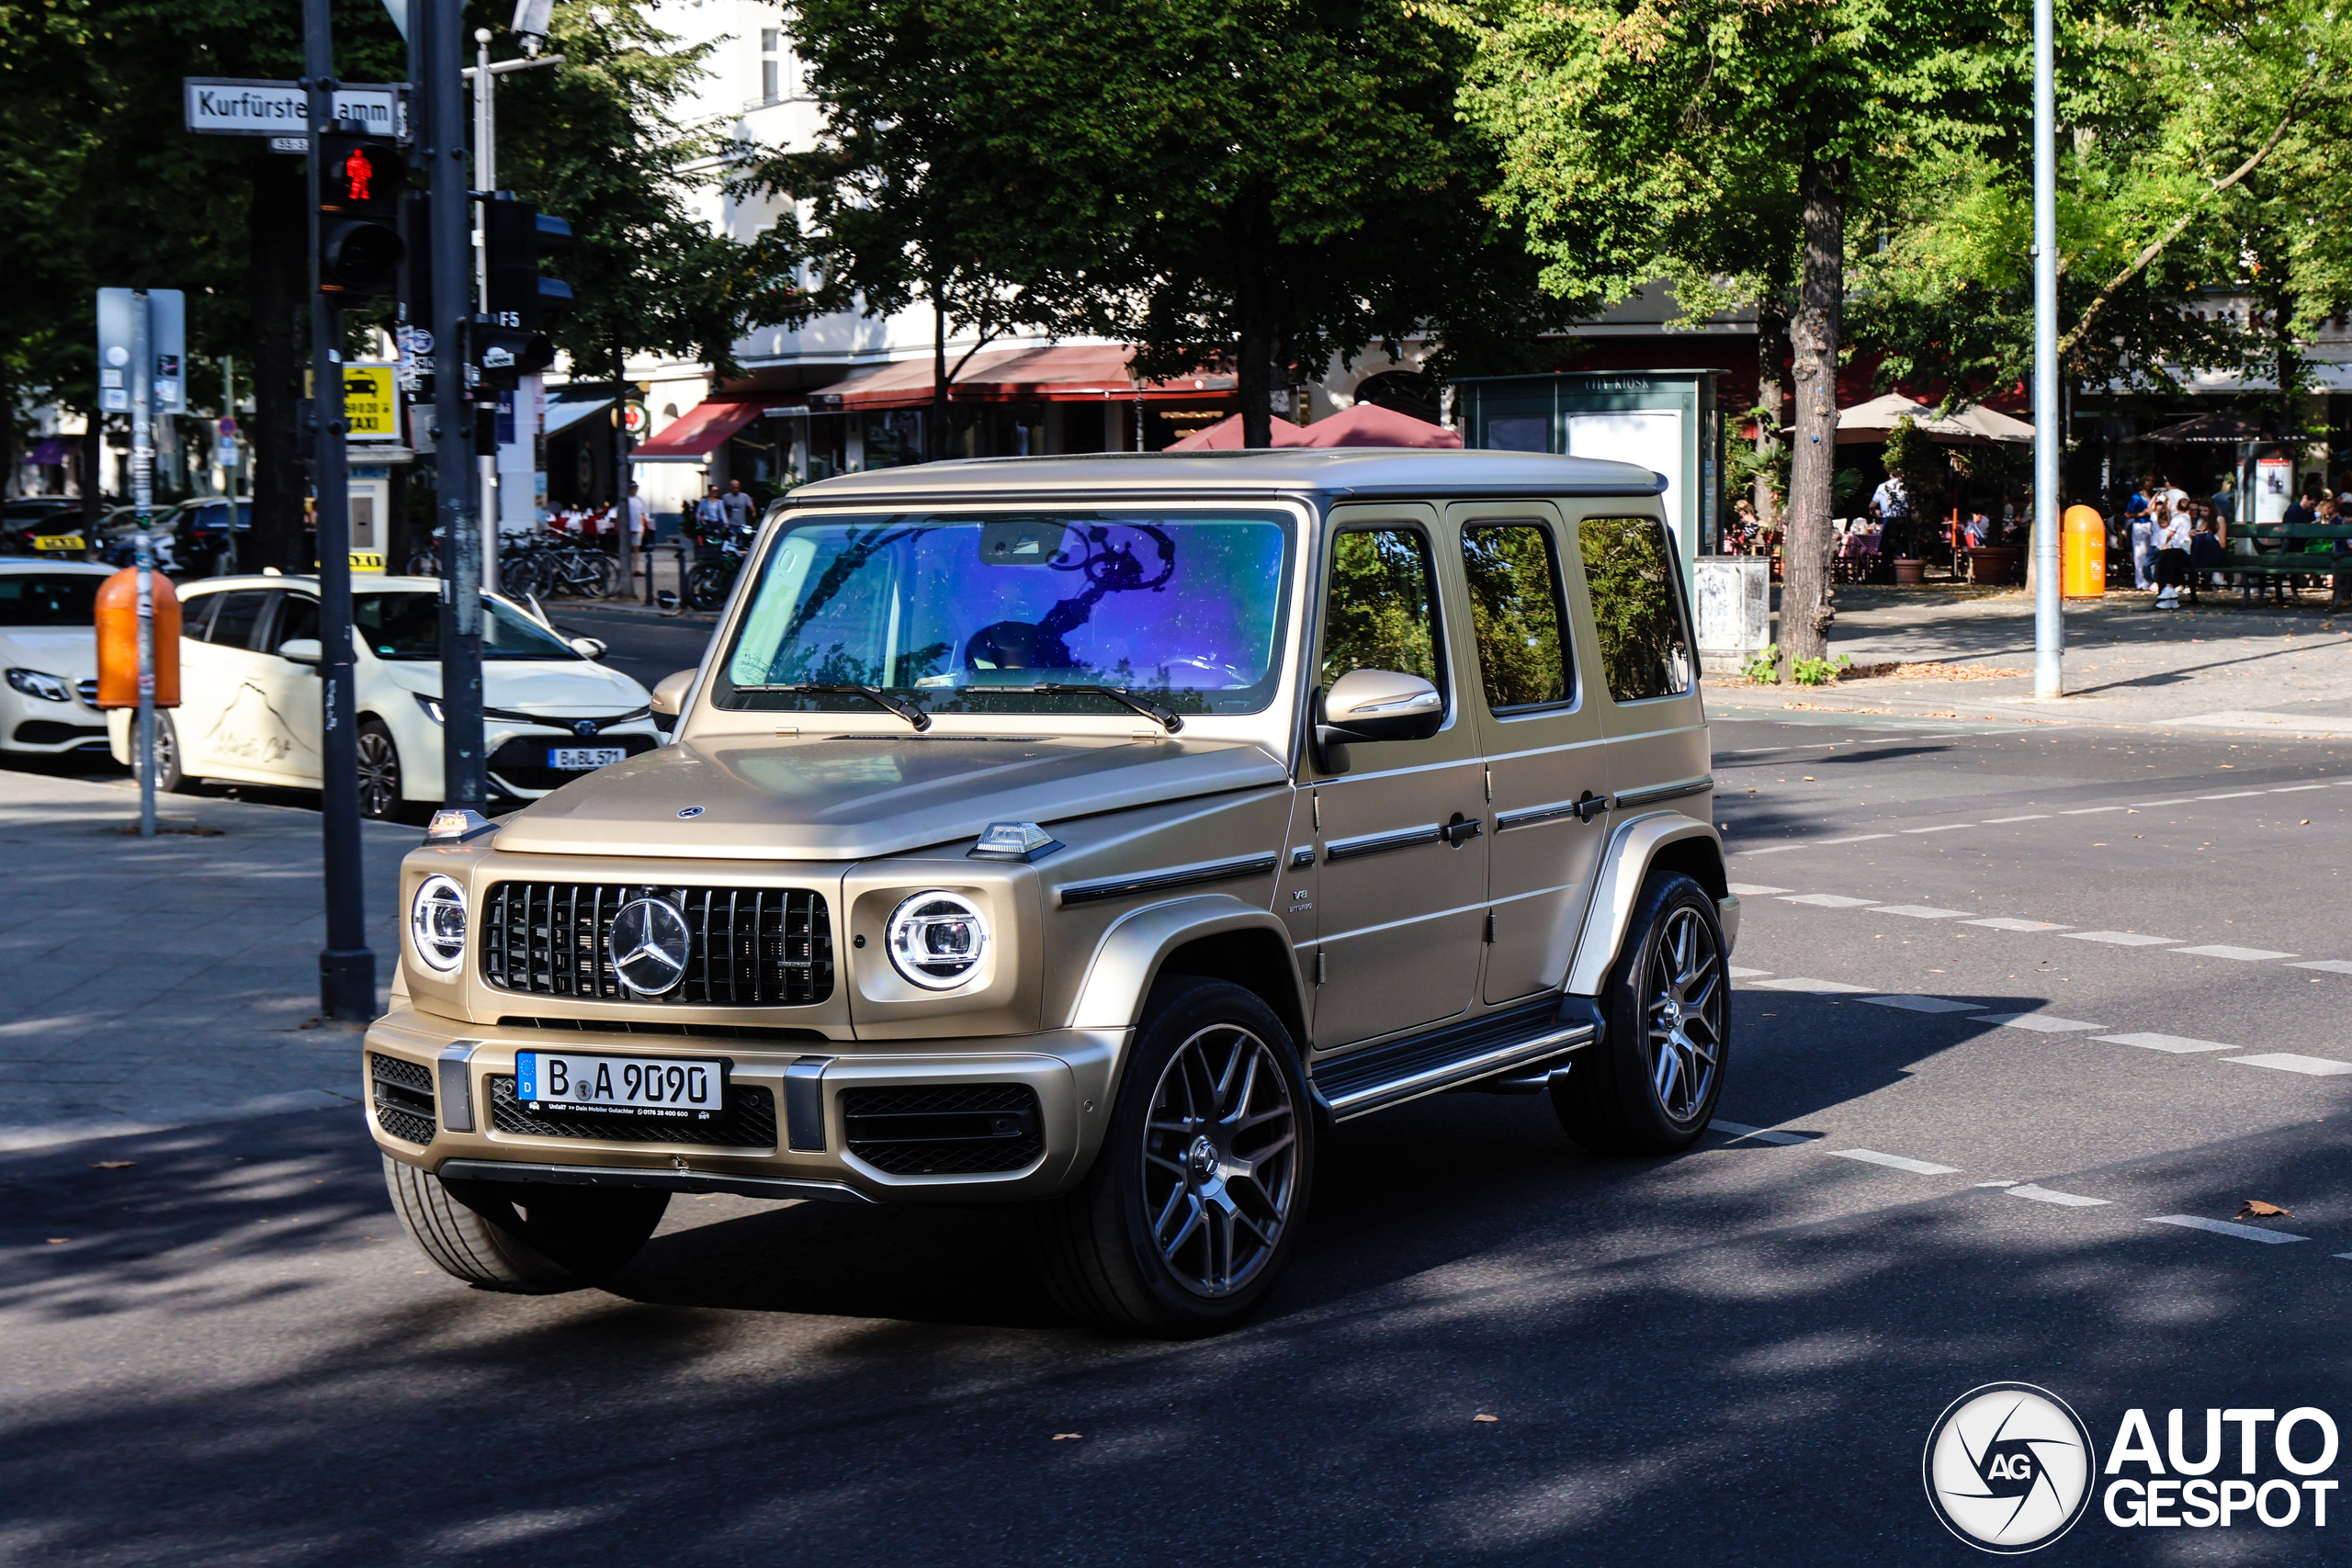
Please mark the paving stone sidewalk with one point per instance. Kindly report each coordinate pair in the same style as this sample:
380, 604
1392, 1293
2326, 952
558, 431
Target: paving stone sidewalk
162, 982
2215, 667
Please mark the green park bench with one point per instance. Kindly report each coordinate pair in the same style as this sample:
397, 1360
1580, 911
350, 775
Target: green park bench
2294, 558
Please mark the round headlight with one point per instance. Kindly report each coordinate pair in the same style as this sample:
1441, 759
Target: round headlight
437, 923
937, 939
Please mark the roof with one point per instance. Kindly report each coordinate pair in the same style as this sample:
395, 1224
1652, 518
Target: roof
698, 433
361, 583
1335, 472
35, 563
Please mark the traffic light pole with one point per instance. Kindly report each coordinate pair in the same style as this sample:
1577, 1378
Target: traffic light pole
465, 782
346, 966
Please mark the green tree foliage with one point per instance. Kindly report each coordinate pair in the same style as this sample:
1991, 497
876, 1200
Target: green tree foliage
1378, 615
1515, 609
1636, 607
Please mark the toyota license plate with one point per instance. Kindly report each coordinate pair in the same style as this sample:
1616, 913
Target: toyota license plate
624, 1086
580, 759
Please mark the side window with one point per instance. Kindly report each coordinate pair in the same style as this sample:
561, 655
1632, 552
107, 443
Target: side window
195, 618
232, 624
298, 616
1637, 610
1515, 608
1381, 610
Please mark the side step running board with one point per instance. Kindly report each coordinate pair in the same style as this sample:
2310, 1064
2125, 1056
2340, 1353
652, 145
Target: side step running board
1374, 1079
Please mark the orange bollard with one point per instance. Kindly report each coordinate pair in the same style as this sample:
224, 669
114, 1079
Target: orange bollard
2084, 532
118, 641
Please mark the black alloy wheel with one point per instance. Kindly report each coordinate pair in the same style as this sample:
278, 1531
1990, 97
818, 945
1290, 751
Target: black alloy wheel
379, 772
1652, 1082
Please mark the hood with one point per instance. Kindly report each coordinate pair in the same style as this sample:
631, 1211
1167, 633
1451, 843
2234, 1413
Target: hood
584, 690
852, 798
70, 651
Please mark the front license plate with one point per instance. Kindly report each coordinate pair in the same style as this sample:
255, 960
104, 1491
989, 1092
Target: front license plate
580, 759
625, 1085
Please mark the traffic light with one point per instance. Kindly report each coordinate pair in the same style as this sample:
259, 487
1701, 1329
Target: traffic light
360, 182
505, 345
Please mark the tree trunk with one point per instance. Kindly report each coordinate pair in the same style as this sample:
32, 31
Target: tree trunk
1771, 349
1253, 378
1805, 605
280, 273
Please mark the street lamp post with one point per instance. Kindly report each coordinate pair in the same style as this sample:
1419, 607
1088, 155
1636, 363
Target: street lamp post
2049, 614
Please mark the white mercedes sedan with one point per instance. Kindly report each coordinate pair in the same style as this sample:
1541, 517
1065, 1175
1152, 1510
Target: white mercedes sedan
48, 656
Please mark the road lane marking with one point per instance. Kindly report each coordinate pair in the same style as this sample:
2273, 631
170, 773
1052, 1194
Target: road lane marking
1753, 890
2224, 1227
1857, 839
1946, 827
2050, 1195
2234, 794
2332, 965
2011, 923
1917, 911
2039, 1022
1739, 1130
2296, 789
2288, 1062
1736, 972
1926, 1004
1822, 987
2122, 939
2089, 810
1828, 901
1895, 1162
2177, 1045
2030, 817
2242, 954
1775, 850
2143, 805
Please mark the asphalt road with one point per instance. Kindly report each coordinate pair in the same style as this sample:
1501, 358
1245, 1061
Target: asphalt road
230, 1354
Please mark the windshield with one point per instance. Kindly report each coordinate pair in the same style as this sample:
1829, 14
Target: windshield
49, 598
968, 613
408, 626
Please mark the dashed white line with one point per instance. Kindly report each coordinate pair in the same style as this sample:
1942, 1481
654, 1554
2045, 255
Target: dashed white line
1828, 901
2030, 817
2177, 1045
2011, 923
2242, 954
2224, 1227
2143, 805
2288, 1062
1896, 1162
2234, 794
2039, 1022
1925, 1004
1946, 827
2089, 810
1775, 849
2296, 789
2122, 939
1822, 987
1736, 972
2332, 965
2050, 1195
1857, 839
1917, 911
1753, 890
1761, 1135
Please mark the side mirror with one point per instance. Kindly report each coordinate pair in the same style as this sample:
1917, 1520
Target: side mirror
1373, 705
589, 647
670, 692
302, 651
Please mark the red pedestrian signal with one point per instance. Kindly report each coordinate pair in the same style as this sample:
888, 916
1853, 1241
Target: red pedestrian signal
360, 179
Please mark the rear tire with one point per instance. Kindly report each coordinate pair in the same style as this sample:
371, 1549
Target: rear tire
533, 1240
1653, 1080
169, 778
1195, 1199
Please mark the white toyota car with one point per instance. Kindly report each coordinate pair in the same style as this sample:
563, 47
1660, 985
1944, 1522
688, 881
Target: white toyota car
48, 656
249, 694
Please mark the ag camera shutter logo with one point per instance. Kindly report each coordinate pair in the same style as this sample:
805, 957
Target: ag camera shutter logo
2009, 1468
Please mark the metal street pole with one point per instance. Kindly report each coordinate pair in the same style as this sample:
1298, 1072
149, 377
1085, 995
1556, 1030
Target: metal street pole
142, 497
2048, 613
346, 964
465, 782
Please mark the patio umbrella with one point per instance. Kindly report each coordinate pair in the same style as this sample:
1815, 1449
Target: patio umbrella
1976, 426
1369, 424
1225, 435
2222, 428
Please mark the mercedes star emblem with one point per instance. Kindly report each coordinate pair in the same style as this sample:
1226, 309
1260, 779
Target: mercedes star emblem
649, 945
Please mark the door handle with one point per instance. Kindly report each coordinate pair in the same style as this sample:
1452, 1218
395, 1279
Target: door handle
1461, 829
1590, 805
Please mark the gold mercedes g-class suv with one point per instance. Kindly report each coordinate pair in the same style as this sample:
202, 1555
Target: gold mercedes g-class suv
1089, 833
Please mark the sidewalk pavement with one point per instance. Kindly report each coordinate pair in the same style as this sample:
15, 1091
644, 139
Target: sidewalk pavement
167, 981
2215, 667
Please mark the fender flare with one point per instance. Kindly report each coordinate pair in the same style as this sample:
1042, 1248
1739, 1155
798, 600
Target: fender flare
1632, 848
1127, 958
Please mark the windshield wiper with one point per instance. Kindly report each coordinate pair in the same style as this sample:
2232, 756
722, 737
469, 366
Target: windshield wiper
1151, 710
874, 694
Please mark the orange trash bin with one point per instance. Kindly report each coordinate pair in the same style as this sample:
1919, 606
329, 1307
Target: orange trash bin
117, 620
2084, 532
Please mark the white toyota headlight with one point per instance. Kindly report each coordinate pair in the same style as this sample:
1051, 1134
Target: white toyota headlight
437, 923
937, 939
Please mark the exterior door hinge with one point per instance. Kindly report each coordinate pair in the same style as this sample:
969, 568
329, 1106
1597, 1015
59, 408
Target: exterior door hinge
1490, 784
1320, 969
1490, 927
1315, 804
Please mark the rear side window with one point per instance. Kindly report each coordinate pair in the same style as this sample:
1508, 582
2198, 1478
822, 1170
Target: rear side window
1636, 607
232, 624
1381, 610
1515, 609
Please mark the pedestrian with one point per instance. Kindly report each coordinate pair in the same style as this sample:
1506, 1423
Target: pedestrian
2172, 558
2205, 556
740, 506
641, 520
2142, 527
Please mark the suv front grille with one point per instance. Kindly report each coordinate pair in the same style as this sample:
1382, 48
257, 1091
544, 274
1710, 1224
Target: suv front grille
403, 1096
746, 1121
751, 946
944, 1129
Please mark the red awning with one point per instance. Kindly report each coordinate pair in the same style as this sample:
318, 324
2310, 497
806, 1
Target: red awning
697, 433
1054, 374
1225, 435
1369, 424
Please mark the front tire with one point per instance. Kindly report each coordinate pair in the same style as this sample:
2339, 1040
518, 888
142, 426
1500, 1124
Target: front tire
1195, 1200
534, 1240
1652, 1083
379, 773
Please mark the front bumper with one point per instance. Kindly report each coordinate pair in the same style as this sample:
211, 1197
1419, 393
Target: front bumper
430, 1084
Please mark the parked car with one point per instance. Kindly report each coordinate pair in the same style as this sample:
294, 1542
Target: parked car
48, 656
249, 702
51, 519
1089, 834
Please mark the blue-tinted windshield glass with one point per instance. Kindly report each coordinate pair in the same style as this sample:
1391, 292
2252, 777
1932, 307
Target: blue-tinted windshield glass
969, 614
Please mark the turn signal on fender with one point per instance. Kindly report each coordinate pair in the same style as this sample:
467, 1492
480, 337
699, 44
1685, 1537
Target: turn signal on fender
117, 618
